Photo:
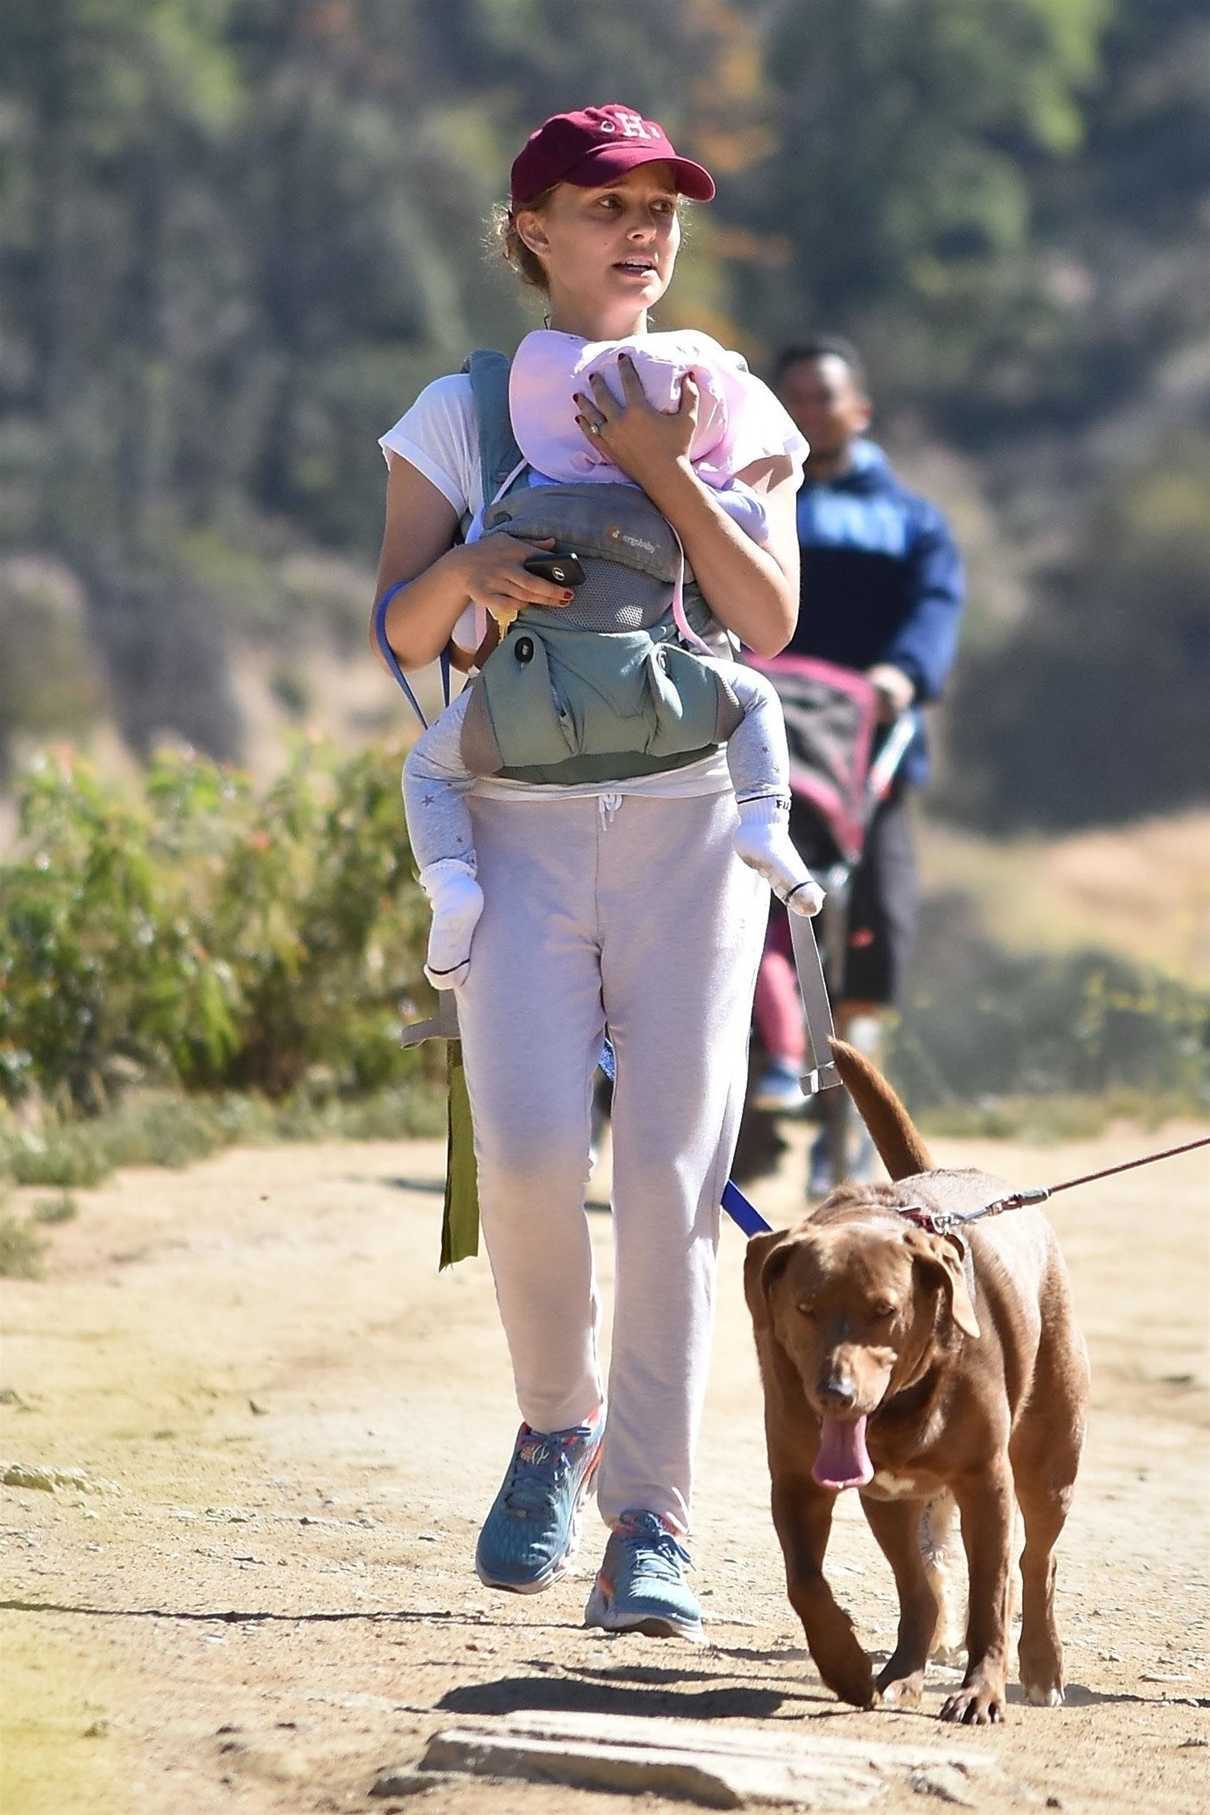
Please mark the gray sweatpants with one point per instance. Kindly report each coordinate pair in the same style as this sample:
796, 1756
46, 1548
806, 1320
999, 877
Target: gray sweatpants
632, 915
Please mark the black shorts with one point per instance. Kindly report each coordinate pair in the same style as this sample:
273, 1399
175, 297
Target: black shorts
884, 899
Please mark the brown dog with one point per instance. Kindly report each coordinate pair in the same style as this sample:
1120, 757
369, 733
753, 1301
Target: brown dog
916, 1367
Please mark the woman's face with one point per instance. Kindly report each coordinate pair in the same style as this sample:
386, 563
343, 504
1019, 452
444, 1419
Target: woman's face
608, 253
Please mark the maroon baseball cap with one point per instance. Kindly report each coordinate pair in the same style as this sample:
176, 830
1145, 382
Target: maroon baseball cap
595, 145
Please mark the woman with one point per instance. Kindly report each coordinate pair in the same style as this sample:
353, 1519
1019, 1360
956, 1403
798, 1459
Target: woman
618, 906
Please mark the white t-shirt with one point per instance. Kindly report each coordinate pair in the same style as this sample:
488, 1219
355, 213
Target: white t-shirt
439, 436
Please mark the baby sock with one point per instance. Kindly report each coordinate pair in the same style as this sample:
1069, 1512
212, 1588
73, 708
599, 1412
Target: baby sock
457, 902
763, 841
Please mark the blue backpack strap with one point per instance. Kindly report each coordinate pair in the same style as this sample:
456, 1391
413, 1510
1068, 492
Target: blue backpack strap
499, 454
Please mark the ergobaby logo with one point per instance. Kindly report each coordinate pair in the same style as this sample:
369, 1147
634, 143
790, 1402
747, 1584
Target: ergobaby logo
631, 126
619, 535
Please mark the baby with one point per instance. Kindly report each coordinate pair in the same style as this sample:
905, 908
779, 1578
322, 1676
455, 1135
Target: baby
732, 431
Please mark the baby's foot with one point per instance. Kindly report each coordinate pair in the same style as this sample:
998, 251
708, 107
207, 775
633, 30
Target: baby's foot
763, 841
457, 902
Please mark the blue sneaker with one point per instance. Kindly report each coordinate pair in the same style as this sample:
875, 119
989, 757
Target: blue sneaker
530, 1535
639, 1586
819, 1165
777, 1089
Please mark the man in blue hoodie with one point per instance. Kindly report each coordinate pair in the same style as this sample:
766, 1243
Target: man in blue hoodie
882, 591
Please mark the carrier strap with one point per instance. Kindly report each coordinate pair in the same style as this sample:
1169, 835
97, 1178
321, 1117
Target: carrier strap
498, 450
817, 1010
500, 463
392, 660
441, 1026
688, 634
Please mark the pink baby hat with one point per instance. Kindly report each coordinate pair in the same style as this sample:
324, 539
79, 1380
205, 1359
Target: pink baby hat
548, 367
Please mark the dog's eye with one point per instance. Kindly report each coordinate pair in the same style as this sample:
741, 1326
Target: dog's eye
805, 1309
882, 1310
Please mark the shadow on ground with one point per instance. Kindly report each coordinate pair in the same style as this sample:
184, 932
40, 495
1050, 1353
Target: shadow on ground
511, 1694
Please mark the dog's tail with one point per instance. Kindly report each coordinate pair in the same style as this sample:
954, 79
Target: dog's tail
900, 1147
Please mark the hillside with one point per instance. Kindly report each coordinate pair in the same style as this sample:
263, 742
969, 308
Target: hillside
994, 198
1142, 890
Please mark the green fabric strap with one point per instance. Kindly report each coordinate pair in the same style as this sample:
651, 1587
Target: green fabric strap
460, 1218
603, 768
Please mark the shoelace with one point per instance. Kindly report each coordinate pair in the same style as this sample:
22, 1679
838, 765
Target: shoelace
539, 1465
663, 1552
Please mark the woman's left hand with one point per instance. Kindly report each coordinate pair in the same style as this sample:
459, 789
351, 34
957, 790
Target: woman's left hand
643, 441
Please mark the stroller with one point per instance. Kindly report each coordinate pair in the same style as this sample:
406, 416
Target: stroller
840, 774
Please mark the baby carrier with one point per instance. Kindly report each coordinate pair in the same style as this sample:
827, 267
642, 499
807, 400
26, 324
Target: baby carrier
603, 688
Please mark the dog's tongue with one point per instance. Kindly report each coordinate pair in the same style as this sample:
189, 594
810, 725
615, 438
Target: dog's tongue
843, 1459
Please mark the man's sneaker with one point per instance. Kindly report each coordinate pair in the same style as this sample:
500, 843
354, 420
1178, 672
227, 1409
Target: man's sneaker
640, 1586
819, 1164
777, 1089
865, 1161
530, 1535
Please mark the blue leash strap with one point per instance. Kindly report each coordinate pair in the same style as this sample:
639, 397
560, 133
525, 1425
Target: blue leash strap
745, 1215
392, 660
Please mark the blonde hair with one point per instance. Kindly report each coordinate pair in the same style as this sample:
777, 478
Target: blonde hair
505, 242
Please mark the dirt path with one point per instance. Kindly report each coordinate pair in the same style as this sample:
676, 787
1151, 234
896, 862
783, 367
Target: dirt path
303, 1424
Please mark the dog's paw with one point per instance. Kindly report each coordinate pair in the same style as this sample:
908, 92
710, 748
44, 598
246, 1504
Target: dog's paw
867, 1701
975, 1705
859, 1692
850, 1679
902, 1691
1043, 1695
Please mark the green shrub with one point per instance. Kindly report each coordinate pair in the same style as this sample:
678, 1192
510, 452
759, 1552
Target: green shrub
1052, 1118
55, 1156
174, 1128
192, 933
61, 1209
21, 1250
981, 1022
396, 1114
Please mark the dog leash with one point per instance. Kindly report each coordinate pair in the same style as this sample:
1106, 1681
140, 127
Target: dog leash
940, 1222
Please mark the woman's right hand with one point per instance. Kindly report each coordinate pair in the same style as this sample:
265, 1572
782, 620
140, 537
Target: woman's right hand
493, 573
419, 548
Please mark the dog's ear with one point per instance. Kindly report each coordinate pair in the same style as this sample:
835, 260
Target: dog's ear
941, 1256
765, 1260
900, 1147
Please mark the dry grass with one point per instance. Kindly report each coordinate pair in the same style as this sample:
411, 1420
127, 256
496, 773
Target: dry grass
1142, 890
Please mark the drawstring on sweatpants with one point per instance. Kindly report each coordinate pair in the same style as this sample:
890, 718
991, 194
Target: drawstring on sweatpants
607, 806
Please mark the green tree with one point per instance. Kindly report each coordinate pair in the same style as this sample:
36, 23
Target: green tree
905, 135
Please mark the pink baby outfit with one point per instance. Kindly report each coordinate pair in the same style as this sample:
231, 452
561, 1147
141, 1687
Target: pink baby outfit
733, 427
